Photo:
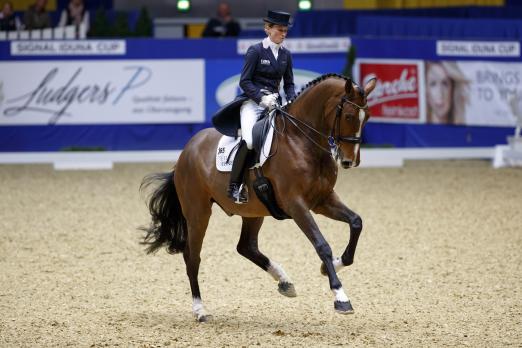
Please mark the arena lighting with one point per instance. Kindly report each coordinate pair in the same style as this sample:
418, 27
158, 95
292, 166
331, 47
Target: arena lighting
304, 5
183, 5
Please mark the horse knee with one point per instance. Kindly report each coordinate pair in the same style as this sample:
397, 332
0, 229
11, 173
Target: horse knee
356, 223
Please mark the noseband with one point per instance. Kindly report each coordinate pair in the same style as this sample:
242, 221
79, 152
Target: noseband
335, 135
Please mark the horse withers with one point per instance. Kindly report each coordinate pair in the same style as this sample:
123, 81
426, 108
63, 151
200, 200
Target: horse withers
320, 129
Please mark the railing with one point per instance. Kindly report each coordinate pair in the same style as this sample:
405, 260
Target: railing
58, 33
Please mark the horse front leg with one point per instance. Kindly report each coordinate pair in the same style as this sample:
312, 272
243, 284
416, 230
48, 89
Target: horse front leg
333, 208
307, 224
248, 247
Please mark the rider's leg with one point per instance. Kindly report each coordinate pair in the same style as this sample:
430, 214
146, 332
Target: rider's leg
249, 115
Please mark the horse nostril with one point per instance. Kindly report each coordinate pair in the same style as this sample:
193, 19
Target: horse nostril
346, 163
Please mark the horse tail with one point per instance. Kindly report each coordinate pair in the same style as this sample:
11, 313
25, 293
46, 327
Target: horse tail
168, 226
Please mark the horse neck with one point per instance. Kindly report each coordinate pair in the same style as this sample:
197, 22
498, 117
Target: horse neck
313, 107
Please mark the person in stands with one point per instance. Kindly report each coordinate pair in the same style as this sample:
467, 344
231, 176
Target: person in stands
74, 14
8, 20
37, 17
223, 24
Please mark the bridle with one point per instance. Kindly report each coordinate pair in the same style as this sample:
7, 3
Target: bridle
335, 138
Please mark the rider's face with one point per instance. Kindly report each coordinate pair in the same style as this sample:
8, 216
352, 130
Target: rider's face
276, 33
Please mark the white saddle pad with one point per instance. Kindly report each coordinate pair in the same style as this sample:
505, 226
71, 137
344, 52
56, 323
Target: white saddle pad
227, 144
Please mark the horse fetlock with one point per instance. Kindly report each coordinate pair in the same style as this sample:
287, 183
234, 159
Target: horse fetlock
346, 260
338, 265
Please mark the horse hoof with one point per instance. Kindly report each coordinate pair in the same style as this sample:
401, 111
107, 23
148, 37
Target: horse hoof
343, 307
204, 318
323, 269
286, 289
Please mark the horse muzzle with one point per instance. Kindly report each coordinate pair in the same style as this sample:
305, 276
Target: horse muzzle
346, 163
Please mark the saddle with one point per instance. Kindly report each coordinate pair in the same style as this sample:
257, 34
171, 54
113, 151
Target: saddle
262, 135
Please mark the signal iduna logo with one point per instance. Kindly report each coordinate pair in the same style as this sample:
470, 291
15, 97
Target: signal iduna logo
398, 95
229, 89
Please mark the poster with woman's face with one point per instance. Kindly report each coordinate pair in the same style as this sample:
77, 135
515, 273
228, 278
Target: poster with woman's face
439, 90
472, 93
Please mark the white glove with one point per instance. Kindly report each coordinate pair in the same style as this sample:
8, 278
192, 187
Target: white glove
269, 101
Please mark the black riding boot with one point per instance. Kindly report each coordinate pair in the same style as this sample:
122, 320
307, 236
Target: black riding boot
236, 190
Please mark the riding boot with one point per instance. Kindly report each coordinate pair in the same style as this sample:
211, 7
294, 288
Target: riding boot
236, 190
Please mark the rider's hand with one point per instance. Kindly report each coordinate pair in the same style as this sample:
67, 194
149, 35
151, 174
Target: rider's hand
269, 101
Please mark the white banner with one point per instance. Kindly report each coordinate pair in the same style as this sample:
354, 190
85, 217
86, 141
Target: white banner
472, 93
68, 47
478, 48
308, 45
102, 92
493, 86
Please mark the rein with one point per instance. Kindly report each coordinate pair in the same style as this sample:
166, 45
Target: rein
334, 138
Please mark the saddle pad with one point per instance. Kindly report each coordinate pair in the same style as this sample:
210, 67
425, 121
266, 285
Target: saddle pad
227, 144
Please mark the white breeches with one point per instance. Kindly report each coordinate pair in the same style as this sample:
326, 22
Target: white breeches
250, 113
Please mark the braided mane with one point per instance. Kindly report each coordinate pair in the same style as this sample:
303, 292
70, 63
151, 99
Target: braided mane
312, 84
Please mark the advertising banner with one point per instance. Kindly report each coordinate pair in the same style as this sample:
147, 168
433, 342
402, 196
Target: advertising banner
102, 92
472, 93
399, 93
222, 77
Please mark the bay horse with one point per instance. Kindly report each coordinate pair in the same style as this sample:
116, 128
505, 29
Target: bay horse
318, 130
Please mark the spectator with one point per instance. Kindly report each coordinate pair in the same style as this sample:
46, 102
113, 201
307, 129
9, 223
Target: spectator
8, 21
36, 17
223, 25
74, 14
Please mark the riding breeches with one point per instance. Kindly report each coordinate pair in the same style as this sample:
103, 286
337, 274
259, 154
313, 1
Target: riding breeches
250, 113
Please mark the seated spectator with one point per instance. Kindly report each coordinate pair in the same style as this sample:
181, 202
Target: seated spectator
74, 14
8, 21
36, 17
223, 25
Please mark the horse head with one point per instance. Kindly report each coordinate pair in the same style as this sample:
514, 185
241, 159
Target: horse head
347, 122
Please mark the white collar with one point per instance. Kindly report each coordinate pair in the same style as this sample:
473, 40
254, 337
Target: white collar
269, 43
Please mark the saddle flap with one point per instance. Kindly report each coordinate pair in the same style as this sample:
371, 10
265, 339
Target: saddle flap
227, 146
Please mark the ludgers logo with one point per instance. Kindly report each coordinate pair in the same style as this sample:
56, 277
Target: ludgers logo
59, 91
229, 89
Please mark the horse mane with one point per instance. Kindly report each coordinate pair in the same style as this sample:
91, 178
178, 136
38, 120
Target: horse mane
314, 82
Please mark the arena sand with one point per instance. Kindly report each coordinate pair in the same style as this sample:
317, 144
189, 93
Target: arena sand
438, 264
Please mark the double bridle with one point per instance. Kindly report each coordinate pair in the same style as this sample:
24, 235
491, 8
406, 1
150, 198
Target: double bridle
335, 138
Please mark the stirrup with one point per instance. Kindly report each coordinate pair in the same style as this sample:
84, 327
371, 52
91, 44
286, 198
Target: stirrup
238, 193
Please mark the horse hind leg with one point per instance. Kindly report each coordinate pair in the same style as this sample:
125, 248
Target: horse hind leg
197, 223
248, 247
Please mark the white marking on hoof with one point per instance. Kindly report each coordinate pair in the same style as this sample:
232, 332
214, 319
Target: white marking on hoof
278, 273
199, 311
340, 295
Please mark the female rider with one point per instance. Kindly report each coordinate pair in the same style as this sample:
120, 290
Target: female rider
266, 63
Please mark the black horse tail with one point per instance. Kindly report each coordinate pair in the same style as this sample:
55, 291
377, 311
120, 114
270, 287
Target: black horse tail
168, 226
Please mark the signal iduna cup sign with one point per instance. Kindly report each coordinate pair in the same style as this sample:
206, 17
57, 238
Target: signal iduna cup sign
399, 93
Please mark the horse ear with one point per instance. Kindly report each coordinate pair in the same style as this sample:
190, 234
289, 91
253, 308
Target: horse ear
370, 85
348, 87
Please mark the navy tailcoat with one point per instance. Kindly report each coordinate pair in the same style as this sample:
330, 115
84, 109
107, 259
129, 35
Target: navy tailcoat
261, 75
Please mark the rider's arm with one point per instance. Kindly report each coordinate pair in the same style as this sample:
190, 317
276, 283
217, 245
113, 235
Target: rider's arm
247, 74
288, 79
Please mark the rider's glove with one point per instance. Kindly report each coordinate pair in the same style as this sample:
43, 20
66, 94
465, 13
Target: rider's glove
269, 101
